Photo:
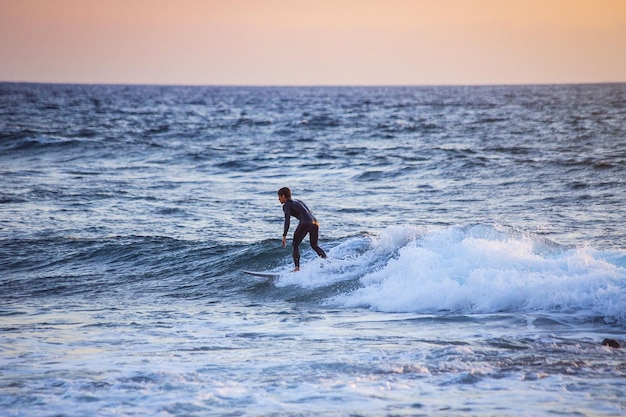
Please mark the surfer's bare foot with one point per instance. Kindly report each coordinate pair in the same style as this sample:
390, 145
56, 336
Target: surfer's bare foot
296, 269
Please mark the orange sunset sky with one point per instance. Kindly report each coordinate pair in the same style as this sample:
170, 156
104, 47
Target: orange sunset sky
313, 42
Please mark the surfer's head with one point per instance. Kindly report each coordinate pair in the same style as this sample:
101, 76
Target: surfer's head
284, 194
285, 191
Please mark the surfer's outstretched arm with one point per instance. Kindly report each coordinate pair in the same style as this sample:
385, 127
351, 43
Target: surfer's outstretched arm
287, 211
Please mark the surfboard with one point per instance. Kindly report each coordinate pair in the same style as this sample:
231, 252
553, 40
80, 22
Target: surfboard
266, 275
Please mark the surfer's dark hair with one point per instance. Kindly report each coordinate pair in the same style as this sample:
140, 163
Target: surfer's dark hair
285, 191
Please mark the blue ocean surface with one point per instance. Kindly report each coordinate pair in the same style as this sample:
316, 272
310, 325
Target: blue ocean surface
476, 240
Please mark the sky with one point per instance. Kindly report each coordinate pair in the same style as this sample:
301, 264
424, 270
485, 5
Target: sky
313, 42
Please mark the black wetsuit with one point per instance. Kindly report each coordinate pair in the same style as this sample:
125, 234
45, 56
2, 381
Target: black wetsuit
308, 224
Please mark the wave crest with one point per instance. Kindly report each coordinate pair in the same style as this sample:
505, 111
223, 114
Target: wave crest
488, 269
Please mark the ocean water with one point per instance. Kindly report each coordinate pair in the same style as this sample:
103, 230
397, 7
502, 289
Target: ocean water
476, 240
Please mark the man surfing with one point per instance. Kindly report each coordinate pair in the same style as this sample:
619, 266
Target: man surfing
308, 224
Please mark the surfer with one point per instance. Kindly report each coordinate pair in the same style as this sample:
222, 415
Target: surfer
308, 224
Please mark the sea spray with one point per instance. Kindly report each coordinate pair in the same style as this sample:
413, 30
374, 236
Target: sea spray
482, 269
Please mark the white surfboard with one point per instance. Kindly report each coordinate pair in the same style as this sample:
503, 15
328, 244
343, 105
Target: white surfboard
266, 275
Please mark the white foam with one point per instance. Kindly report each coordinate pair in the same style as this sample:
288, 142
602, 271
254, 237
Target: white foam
487, 269
351, 259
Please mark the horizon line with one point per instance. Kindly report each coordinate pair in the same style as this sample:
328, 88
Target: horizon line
512, 84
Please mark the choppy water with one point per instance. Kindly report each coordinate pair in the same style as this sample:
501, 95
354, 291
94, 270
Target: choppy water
476, 237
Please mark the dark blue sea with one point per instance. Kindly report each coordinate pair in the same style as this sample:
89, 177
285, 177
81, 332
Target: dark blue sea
476, 240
